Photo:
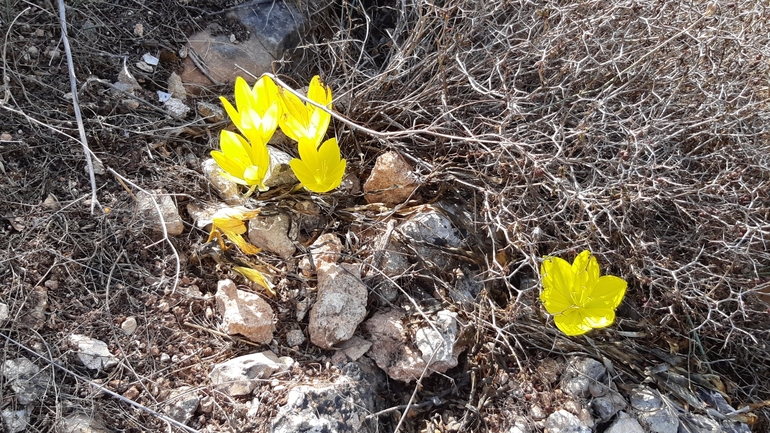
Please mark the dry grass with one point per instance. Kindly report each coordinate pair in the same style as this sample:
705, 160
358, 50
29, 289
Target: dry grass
635, 129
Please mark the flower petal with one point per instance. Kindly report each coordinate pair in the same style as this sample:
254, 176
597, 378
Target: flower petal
557, 285
608, 292
598, 317
304, 174
571, 322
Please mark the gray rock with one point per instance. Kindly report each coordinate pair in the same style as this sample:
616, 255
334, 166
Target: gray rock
428, 230
25, 379
295, 338
280, 172
239, 376
274, 28
355, 348
340, 306
129, 325
580, 374
436, 343
271, 233
735, 427
652, 413
605, 407
395, 352
562, 421
146, 207
182, 404
624, 424
80, 423
93, 354
4, 312
15, 421
520, 425
339, 408
227, 189
244, 313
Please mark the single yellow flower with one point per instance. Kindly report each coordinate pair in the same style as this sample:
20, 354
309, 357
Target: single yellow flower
577, 296
305, 122
257, 277
319, 169
229, 222
258, 108
243, 162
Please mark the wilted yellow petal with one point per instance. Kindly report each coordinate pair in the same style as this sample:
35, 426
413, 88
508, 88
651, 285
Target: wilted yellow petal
257, 277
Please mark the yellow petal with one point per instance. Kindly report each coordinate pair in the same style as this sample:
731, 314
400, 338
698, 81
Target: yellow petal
243, 98
266, 94
257, 277
319, 92
585, 269
608, 292
571, 322
304, 174
598, 317
235, 117
557, 284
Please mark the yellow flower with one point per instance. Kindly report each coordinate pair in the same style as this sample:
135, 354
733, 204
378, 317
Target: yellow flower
258, 108
305, 122
243, 162
229, 222
257, 277
577, 296
319, 169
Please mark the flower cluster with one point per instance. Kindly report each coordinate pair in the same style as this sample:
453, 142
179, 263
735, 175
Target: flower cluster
577, 296
257, 113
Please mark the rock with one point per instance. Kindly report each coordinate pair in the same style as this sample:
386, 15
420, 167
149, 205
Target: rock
270, 232
340, 306
4, 312
227, 189
391, 182
624, 424
605, 407
211, 113
562, 421
436, 343
389, 257
177, 90
80, 423
182, 404
129, 325
341, 407
92, 353
280, 172
580, 374
652, 414
520, 425
146, 207
176, 108
428, 228
51, 202
239, 376
355, 348
25, 379
295, 338
324, 250
274, 27
143, 66
244, 313
393, 351
15, 421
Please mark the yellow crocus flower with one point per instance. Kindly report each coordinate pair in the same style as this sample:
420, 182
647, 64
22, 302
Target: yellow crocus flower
319, 169
305, 122
577, 296
257, 100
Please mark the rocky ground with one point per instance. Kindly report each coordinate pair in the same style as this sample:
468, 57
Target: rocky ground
479, 138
